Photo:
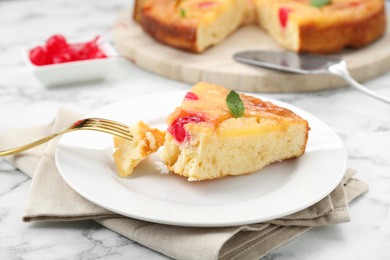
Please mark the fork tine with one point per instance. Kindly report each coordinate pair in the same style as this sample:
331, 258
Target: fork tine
108, 122
116, 133
111, 124
109, 131
109, 127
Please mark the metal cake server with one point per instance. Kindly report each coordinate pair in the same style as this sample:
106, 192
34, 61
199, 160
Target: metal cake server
304, 64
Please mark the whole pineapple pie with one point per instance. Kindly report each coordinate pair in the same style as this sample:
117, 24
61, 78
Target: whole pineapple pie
317, 26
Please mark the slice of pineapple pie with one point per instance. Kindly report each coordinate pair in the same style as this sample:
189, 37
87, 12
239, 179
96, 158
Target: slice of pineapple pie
216, 132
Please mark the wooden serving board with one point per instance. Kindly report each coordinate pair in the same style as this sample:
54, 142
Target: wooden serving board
217, 66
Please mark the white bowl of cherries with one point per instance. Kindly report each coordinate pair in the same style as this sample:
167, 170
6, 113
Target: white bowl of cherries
58, 62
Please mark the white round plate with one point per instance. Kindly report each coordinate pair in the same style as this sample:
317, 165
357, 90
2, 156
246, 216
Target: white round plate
84, 159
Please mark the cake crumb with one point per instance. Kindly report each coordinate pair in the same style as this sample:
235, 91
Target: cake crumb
161, 167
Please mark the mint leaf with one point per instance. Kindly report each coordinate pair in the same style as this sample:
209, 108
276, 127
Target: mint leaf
235, 104
320, 3
183, 13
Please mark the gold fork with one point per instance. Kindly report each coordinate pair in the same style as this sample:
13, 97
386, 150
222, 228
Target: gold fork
94, 124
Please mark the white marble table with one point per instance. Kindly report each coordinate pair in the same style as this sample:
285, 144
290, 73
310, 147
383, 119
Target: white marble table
362, 123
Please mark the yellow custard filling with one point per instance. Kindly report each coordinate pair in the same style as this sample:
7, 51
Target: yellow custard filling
247, 127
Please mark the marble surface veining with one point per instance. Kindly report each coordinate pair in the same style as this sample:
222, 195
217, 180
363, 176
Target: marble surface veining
362, 123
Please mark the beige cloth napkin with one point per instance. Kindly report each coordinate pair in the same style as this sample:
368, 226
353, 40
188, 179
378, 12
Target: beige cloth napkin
51, 199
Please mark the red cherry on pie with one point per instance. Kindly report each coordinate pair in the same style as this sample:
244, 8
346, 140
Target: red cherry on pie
177, 130
192, 96
283, 16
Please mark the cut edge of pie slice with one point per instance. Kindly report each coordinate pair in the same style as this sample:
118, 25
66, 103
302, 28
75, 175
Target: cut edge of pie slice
298, 26
204, 141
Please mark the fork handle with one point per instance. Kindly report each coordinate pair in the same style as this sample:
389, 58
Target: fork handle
341, 70
30, 145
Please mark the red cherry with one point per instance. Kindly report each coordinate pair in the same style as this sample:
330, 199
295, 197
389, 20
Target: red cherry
91, 44
176, 129
61, 57
39, 56
206, 4
56, 43
99, 55
87, 50
355, 3
92, 53
191, 95
91, 50
74, 52
57, 50
283, 16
